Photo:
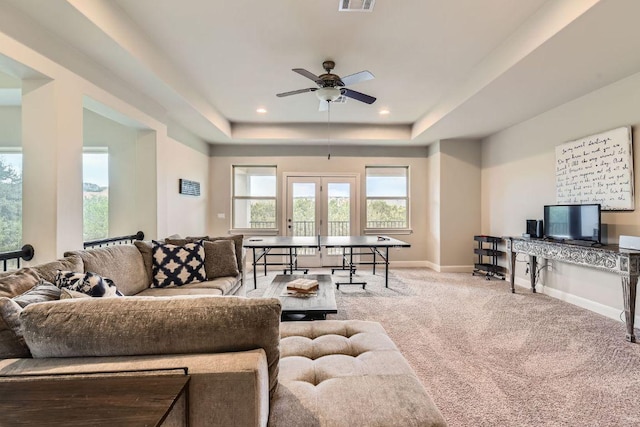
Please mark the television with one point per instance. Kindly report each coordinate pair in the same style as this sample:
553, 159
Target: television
572, 222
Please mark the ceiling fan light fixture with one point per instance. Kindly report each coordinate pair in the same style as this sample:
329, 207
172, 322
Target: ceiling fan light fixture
328, 94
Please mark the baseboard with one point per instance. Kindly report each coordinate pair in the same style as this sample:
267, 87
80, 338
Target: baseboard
596, 307
408, 264
449, 268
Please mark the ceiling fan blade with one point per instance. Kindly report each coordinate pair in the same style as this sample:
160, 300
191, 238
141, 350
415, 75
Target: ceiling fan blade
324, 106
358, 96
295, 92
362, 76
307, 74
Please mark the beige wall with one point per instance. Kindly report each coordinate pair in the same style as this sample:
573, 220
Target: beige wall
459, 202
518, 179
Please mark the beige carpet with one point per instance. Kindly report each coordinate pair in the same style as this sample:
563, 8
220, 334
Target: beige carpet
492, 358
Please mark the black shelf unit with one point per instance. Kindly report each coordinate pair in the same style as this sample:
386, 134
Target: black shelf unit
488, 254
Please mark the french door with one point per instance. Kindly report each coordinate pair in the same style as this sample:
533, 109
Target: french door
321, 205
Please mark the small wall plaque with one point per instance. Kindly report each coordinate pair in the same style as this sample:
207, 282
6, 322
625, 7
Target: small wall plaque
190, 188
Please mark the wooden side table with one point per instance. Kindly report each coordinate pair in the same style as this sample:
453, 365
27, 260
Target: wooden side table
105, 399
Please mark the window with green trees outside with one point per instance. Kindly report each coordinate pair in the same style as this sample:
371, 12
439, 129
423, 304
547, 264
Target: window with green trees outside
254, 197
387, 197
10, 200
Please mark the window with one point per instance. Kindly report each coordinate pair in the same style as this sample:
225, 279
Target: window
10, 200
95, 191
254, 197
387, 193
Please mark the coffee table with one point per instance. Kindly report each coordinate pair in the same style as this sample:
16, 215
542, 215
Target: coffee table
304, 308
141, 398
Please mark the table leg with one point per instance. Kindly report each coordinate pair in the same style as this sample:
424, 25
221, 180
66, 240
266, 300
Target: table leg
512, 271
533, 265
374, 261
629, 285
386, 267
255, 271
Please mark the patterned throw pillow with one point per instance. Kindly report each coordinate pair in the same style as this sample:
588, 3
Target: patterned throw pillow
88, 283
177, 265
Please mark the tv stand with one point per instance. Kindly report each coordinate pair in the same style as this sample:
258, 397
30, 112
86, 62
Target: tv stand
610, 258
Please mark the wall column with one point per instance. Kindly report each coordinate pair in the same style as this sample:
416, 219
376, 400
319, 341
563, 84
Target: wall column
52, 167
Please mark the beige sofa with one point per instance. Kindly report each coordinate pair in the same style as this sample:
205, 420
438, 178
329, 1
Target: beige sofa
246, 368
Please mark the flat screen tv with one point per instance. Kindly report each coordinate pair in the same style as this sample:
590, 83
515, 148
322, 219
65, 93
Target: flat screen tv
572, 222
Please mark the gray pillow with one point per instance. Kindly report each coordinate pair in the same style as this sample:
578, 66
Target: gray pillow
11, 340
49, 270
220, 259
42, 292
237, 239
146, 250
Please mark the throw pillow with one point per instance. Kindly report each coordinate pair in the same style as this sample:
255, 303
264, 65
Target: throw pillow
237, 239
88, 283
43, 291
177, 265
220, 259
66, 293
11, 340
146, 250
49, 270
17, 282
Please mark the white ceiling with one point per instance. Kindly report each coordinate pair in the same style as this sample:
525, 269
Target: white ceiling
444, 68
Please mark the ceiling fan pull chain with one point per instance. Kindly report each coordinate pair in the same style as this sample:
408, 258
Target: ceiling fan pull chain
329, 130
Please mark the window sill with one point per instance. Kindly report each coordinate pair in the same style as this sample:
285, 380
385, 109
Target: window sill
387, 231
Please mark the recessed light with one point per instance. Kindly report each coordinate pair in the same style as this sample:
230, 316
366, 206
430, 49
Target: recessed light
384, 112
261, 110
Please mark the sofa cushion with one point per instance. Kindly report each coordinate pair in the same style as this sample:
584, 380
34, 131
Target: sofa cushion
66, 293
18, 282
177, 265
41, 292
88, 283
227, 285
146, 250
154, 325
121, 263
11, 340
327, 366
182, 290
70, 262
220, 259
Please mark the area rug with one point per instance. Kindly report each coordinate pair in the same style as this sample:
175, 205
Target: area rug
492, 358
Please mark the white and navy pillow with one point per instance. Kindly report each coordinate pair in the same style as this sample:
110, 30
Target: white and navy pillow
175, 265
88, 283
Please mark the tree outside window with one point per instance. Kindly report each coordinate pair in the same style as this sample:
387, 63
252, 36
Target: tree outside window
10, 201
387, 197
95, 191
254, 197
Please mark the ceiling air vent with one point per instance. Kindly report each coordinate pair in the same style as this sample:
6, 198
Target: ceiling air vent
356, 5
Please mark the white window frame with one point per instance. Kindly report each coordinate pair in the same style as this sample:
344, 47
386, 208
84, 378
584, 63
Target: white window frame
407, 198
255, 231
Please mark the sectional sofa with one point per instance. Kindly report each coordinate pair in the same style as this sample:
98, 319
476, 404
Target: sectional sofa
246, 367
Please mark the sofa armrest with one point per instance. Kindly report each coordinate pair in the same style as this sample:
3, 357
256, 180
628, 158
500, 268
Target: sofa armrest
225, 389
154, 325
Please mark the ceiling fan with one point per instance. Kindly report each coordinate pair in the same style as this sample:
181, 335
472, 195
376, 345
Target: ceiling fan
331, 86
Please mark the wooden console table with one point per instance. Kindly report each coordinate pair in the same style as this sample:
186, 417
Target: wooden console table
610, 258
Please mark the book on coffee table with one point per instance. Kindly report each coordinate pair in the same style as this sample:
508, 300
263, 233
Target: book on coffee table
303, 286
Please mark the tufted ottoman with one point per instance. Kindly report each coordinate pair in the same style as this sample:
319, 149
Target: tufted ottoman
346, 373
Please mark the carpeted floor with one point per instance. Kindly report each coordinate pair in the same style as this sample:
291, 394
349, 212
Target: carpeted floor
492, 358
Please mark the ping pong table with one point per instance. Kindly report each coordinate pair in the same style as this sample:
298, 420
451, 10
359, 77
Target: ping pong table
377, 246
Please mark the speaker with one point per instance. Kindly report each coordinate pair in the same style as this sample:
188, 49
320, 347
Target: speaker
535, 228
630, 242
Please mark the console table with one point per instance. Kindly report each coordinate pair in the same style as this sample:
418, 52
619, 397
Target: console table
610, 258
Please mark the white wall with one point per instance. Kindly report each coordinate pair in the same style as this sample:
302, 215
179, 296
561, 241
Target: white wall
518, 179
10, 126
